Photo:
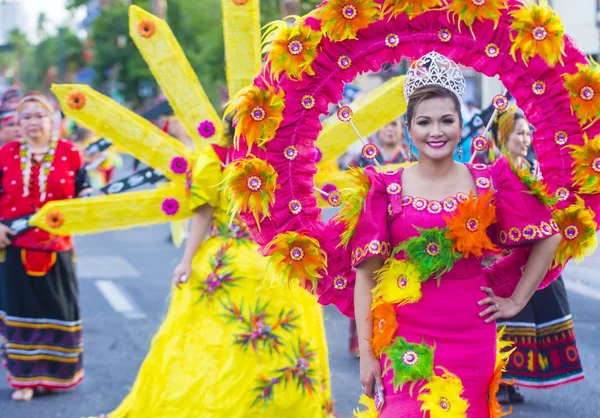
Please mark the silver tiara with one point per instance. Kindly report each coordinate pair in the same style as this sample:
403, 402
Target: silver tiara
434, 69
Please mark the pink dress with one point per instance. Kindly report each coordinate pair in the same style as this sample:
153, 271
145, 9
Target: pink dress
446, 318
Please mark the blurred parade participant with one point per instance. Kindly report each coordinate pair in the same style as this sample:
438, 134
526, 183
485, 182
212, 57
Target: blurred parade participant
100, 166
39, 308
543, 333
391, 146
232, 343
469, 110
175, 128
10, 98
9, 128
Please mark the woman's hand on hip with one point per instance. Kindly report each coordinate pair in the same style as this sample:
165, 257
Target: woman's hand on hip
497, 307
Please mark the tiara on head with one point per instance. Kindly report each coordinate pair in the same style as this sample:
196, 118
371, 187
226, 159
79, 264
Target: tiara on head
434, 69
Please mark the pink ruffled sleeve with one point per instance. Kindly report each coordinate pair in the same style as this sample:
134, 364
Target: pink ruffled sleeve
371, 233
522, 218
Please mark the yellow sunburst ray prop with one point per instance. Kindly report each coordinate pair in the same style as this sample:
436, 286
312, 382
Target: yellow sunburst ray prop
241, 32
113, 212
175, 75
124, 128
142, 139
371, 113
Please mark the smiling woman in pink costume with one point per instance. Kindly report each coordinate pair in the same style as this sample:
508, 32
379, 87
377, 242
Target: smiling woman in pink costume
404, 254
438, 218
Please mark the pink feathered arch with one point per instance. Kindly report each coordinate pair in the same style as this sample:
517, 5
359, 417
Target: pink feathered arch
537, 86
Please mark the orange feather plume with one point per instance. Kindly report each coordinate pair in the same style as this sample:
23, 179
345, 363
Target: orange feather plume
467, 227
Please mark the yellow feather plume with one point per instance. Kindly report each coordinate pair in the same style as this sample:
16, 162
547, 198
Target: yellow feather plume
353, 200
539, 32
398, 282
502, 355
291, 48
412, 8
251, 184
586, 165
583, 88
296, 258
442, 397
468, 11
578, 229
257, 115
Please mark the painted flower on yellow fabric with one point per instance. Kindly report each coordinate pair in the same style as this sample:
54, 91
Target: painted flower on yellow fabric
76, 100
251, 184
468, 11
398, 282
146, 28
586, 165
468, 225
411, 7
502, 355
296, 258
257, 115
539, 32
583, 88
342, 19
384, 325
291, 48
55, 219
578, 228
368, 403
442, 397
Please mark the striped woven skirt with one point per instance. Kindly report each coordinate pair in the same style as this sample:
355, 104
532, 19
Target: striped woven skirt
543, 333
40, 326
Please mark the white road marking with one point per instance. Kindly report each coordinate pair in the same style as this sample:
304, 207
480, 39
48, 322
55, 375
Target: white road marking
105, 267
585, 290
119, 301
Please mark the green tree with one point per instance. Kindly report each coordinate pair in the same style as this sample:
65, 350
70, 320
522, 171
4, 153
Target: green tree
21, 48
61, 50
196, 25
118, 63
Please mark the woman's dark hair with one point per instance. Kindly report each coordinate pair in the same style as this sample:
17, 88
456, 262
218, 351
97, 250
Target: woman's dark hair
427, 93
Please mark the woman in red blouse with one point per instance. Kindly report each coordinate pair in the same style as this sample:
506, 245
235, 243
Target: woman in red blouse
39, 309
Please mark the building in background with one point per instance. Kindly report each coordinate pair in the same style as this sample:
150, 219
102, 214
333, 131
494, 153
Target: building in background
12, 16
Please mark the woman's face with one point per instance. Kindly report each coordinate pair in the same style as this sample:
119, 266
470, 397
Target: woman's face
35, 121
10, 131
519, 141
435, 129
391, 134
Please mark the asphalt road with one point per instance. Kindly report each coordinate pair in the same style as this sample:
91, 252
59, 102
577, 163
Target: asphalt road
125, 279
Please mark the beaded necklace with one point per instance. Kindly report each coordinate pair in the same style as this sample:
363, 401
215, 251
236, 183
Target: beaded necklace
25, 155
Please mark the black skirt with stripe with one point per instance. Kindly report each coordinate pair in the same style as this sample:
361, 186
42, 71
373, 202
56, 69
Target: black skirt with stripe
40, 325
543, 334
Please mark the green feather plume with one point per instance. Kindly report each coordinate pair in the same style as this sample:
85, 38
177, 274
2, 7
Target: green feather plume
409, 362
416, 251
536, 186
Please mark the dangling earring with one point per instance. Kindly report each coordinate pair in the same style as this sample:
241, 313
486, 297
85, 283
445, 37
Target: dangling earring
459, 152
410, 151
